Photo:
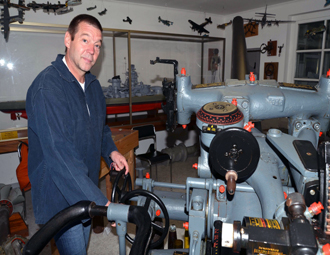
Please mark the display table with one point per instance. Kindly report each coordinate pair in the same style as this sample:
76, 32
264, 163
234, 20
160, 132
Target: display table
126, 140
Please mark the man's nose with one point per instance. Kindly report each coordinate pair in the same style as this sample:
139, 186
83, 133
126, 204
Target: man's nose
91, 49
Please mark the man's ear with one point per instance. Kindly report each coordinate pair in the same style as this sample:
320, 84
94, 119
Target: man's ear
67, 39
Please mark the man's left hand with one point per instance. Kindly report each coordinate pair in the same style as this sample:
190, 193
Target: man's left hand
119, 161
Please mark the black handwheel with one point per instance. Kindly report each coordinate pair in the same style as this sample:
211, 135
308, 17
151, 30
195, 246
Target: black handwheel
117, 191
161, 231
234, 149
263, 48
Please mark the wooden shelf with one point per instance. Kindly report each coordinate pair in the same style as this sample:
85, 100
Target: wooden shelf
10, 145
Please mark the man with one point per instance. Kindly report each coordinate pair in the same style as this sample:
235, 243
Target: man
68, 135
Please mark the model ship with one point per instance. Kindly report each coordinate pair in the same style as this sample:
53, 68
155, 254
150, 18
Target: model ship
121, 90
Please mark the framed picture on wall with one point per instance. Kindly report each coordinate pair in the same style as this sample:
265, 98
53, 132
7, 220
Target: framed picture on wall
251, 29
271, 71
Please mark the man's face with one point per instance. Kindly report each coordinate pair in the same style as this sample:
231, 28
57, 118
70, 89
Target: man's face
84, 50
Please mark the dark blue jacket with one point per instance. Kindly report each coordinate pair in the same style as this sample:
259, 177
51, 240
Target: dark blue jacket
65, 142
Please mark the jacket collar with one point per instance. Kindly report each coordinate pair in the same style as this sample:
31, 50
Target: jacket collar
67, 75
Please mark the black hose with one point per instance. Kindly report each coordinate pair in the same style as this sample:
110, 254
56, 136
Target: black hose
80, 211
140, 217
86, 210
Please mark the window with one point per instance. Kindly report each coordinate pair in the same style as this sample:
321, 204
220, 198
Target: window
313, 52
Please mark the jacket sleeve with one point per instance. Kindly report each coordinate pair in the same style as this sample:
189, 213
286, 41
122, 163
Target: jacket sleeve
108, 145
54, 128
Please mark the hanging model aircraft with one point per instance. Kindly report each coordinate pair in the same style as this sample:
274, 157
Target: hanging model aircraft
64, 11
223, 26
6, 19
200, 28
327, 2
91, 8
264, 21
55, 7
35, 6
165, 22
128, 20
103, 12
73, 2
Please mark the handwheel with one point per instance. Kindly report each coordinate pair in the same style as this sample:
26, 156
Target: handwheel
234, 149
161, 231
117, 191
263, 48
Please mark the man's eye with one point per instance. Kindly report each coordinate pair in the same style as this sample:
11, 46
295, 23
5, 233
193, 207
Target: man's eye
98, 46
84, 40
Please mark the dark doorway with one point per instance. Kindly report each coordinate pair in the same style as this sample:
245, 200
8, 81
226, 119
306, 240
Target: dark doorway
253, 59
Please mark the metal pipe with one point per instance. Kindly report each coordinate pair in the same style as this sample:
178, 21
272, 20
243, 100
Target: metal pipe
114, 53
139, 182
130, 77
202, 62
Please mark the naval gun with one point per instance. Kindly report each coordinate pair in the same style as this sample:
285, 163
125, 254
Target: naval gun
277, 182
257, 193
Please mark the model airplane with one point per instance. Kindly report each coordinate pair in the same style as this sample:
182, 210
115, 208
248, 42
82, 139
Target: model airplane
264, 21
55, 7
35, 6
128, 20
73, 2
200, 28
223, 26
103, 12
64, 11
327, 2
317, 30
165, 22
91, 8
6, 19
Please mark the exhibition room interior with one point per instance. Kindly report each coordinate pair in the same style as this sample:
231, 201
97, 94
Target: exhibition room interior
158, 63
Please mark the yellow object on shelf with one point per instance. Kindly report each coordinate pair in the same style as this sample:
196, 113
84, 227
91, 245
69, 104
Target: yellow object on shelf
7, 135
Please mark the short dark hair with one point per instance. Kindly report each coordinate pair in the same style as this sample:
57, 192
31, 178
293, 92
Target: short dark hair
91, 20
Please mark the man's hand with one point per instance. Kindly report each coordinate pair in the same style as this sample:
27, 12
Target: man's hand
119, 161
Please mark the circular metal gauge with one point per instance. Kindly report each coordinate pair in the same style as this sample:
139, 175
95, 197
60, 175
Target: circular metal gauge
221, 113
234, 149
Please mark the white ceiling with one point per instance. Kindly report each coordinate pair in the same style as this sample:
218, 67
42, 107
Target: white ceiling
221, 7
